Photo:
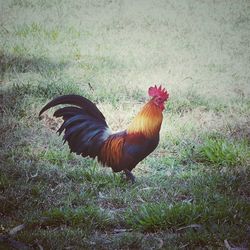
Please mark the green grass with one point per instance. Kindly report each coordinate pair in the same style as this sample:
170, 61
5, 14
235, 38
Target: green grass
193, 191
89, 217
151, 217
223, 152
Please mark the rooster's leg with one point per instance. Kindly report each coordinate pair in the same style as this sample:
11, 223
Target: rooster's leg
129, 175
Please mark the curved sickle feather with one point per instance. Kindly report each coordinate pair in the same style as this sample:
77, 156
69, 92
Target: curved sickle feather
76, 100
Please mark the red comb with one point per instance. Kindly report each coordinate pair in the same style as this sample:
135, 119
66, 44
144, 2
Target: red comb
162, 92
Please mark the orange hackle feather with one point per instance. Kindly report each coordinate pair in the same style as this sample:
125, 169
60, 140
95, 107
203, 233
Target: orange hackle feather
148, 121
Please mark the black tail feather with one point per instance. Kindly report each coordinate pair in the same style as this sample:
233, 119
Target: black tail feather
74, 130
85, 126
74, 119
67, 112
80, 101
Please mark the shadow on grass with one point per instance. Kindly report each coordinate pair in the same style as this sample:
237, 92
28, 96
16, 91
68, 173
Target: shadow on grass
19, 64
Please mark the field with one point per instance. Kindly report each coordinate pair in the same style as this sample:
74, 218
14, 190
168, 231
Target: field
193, 191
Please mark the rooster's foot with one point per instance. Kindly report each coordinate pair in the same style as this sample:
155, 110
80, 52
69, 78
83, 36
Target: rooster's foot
129, 176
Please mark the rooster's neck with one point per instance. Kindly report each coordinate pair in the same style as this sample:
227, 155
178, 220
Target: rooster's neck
147, 121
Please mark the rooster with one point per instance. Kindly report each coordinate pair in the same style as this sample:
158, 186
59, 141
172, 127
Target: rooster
88, 134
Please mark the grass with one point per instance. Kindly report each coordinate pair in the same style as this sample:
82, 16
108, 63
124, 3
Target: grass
150, 217
193, 191
223, 152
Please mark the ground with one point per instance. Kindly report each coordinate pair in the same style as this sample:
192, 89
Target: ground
193, 191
